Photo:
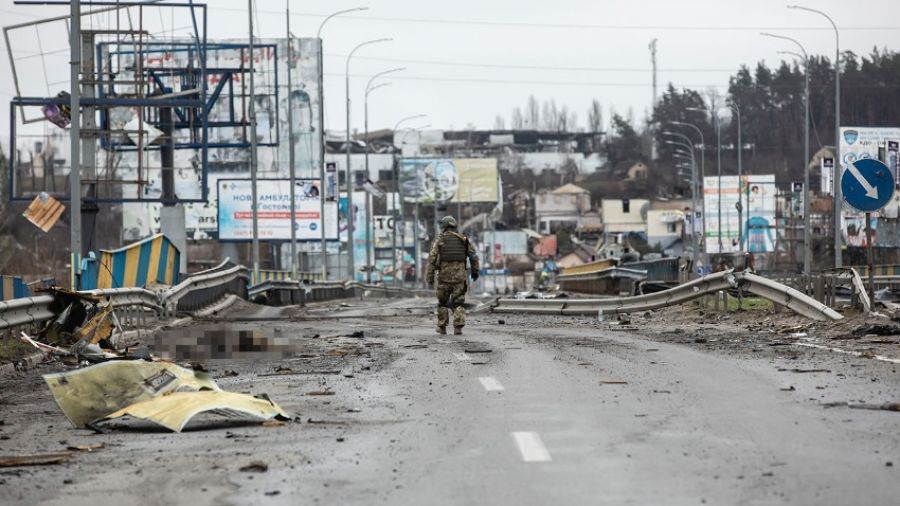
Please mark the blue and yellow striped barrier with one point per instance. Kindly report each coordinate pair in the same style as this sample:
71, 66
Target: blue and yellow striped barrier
12, 287
265, 275
153, 261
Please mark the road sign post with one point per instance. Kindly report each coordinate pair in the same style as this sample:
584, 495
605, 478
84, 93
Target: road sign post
867, 185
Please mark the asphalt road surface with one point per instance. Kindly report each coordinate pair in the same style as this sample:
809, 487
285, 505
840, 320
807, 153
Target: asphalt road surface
538, 410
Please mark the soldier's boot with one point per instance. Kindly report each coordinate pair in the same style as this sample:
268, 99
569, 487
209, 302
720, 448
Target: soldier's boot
442, 330
457, 331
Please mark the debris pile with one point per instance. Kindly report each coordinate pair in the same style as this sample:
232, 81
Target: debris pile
84, 328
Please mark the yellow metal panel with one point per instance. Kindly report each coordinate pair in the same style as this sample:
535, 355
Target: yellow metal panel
153, 270
104, 274
170, 265
132, 259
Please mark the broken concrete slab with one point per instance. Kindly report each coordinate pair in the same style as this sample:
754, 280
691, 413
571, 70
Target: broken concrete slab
91, 393
175, 410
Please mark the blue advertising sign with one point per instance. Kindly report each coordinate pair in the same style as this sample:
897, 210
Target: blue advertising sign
867, 184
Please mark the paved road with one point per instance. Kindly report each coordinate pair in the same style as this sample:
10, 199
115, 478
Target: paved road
536, 411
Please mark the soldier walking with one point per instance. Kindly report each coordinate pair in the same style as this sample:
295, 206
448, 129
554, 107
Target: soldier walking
448, 256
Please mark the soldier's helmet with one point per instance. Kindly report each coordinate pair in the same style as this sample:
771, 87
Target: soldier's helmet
448, 222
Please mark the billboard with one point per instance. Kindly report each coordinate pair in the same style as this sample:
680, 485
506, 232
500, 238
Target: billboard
757, 195
235, 211
451, 180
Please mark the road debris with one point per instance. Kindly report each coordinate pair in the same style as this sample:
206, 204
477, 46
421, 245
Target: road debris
888, 406
175, 410
86, 448
88, 394
802, 371
34, 460
256, 466
613, 382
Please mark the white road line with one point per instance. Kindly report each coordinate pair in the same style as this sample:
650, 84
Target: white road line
462, 357
849, 352
531, 447
491, 384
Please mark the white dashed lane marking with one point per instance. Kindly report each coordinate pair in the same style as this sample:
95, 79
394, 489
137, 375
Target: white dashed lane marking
491, 384
531, 447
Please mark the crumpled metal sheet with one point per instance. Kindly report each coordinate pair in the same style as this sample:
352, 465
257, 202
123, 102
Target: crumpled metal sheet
88, 394
175, 410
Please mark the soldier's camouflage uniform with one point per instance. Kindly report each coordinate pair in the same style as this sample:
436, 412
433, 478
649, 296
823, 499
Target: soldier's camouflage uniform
452, 279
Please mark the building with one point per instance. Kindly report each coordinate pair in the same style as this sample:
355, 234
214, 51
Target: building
567, 206
624, 216
665, 224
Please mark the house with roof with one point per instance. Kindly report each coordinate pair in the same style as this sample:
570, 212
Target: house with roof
568, 207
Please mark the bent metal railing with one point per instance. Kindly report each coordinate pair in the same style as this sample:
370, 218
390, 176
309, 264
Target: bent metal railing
707, 285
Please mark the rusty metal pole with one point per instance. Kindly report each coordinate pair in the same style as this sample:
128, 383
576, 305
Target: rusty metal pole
869, 261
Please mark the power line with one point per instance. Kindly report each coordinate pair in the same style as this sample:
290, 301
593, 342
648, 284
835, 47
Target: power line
522, 24
602, 84
528, 67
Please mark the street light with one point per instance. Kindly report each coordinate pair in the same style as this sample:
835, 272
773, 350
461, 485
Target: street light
714, 114
370, 260
837, 133
689, 155
416, 245
350, 213
321, 160
807, 239
396, 196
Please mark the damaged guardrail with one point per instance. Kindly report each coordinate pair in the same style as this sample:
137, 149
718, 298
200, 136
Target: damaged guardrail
288, 292
758, 285
204, 289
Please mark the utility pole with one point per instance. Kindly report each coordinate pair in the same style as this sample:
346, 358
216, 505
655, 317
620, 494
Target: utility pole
653, 104
291, 168
75, 143
254, 251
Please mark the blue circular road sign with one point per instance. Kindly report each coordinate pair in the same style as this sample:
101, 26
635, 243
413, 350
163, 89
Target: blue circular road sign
867, 185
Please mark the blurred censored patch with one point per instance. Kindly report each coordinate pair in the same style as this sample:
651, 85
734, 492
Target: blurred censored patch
220, 344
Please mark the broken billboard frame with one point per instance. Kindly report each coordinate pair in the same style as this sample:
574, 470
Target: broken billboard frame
135, 86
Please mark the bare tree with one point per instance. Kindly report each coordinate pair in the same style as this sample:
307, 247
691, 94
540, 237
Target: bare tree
532, 113
499, 123
595, 116
518, 121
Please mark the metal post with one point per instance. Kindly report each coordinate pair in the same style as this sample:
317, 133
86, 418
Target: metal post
74, 141
719, 170
838, 198
350, 213
291, 167
254, 252
869, 262
807, 227
324, 253
740, 147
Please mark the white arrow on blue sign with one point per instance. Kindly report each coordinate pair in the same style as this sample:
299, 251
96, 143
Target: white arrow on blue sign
867, 185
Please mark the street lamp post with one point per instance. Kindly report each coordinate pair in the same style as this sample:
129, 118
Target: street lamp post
396, 197
807, 238
702, 157
740, 207
693, 163
350, 213
321, 161
370, 260
838, 200
715, 117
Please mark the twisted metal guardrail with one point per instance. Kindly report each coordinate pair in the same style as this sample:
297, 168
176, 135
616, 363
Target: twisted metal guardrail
707, 285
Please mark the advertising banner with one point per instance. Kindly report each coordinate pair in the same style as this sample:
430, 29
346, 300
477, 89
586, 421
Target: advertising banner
235, 216
448, 180
758, 192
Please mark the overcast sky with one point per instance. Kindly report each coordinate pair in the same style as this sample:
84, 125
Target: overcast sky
469, 60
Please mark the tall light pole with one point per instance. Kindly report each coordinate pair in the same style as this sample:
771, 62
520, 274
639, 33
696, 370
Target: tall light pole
714, 114
254, 248
690, 149
740, 206
807, 238
291, 167
321, 160
350, 213
396, 196
370, 260
702, 158
838, 198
